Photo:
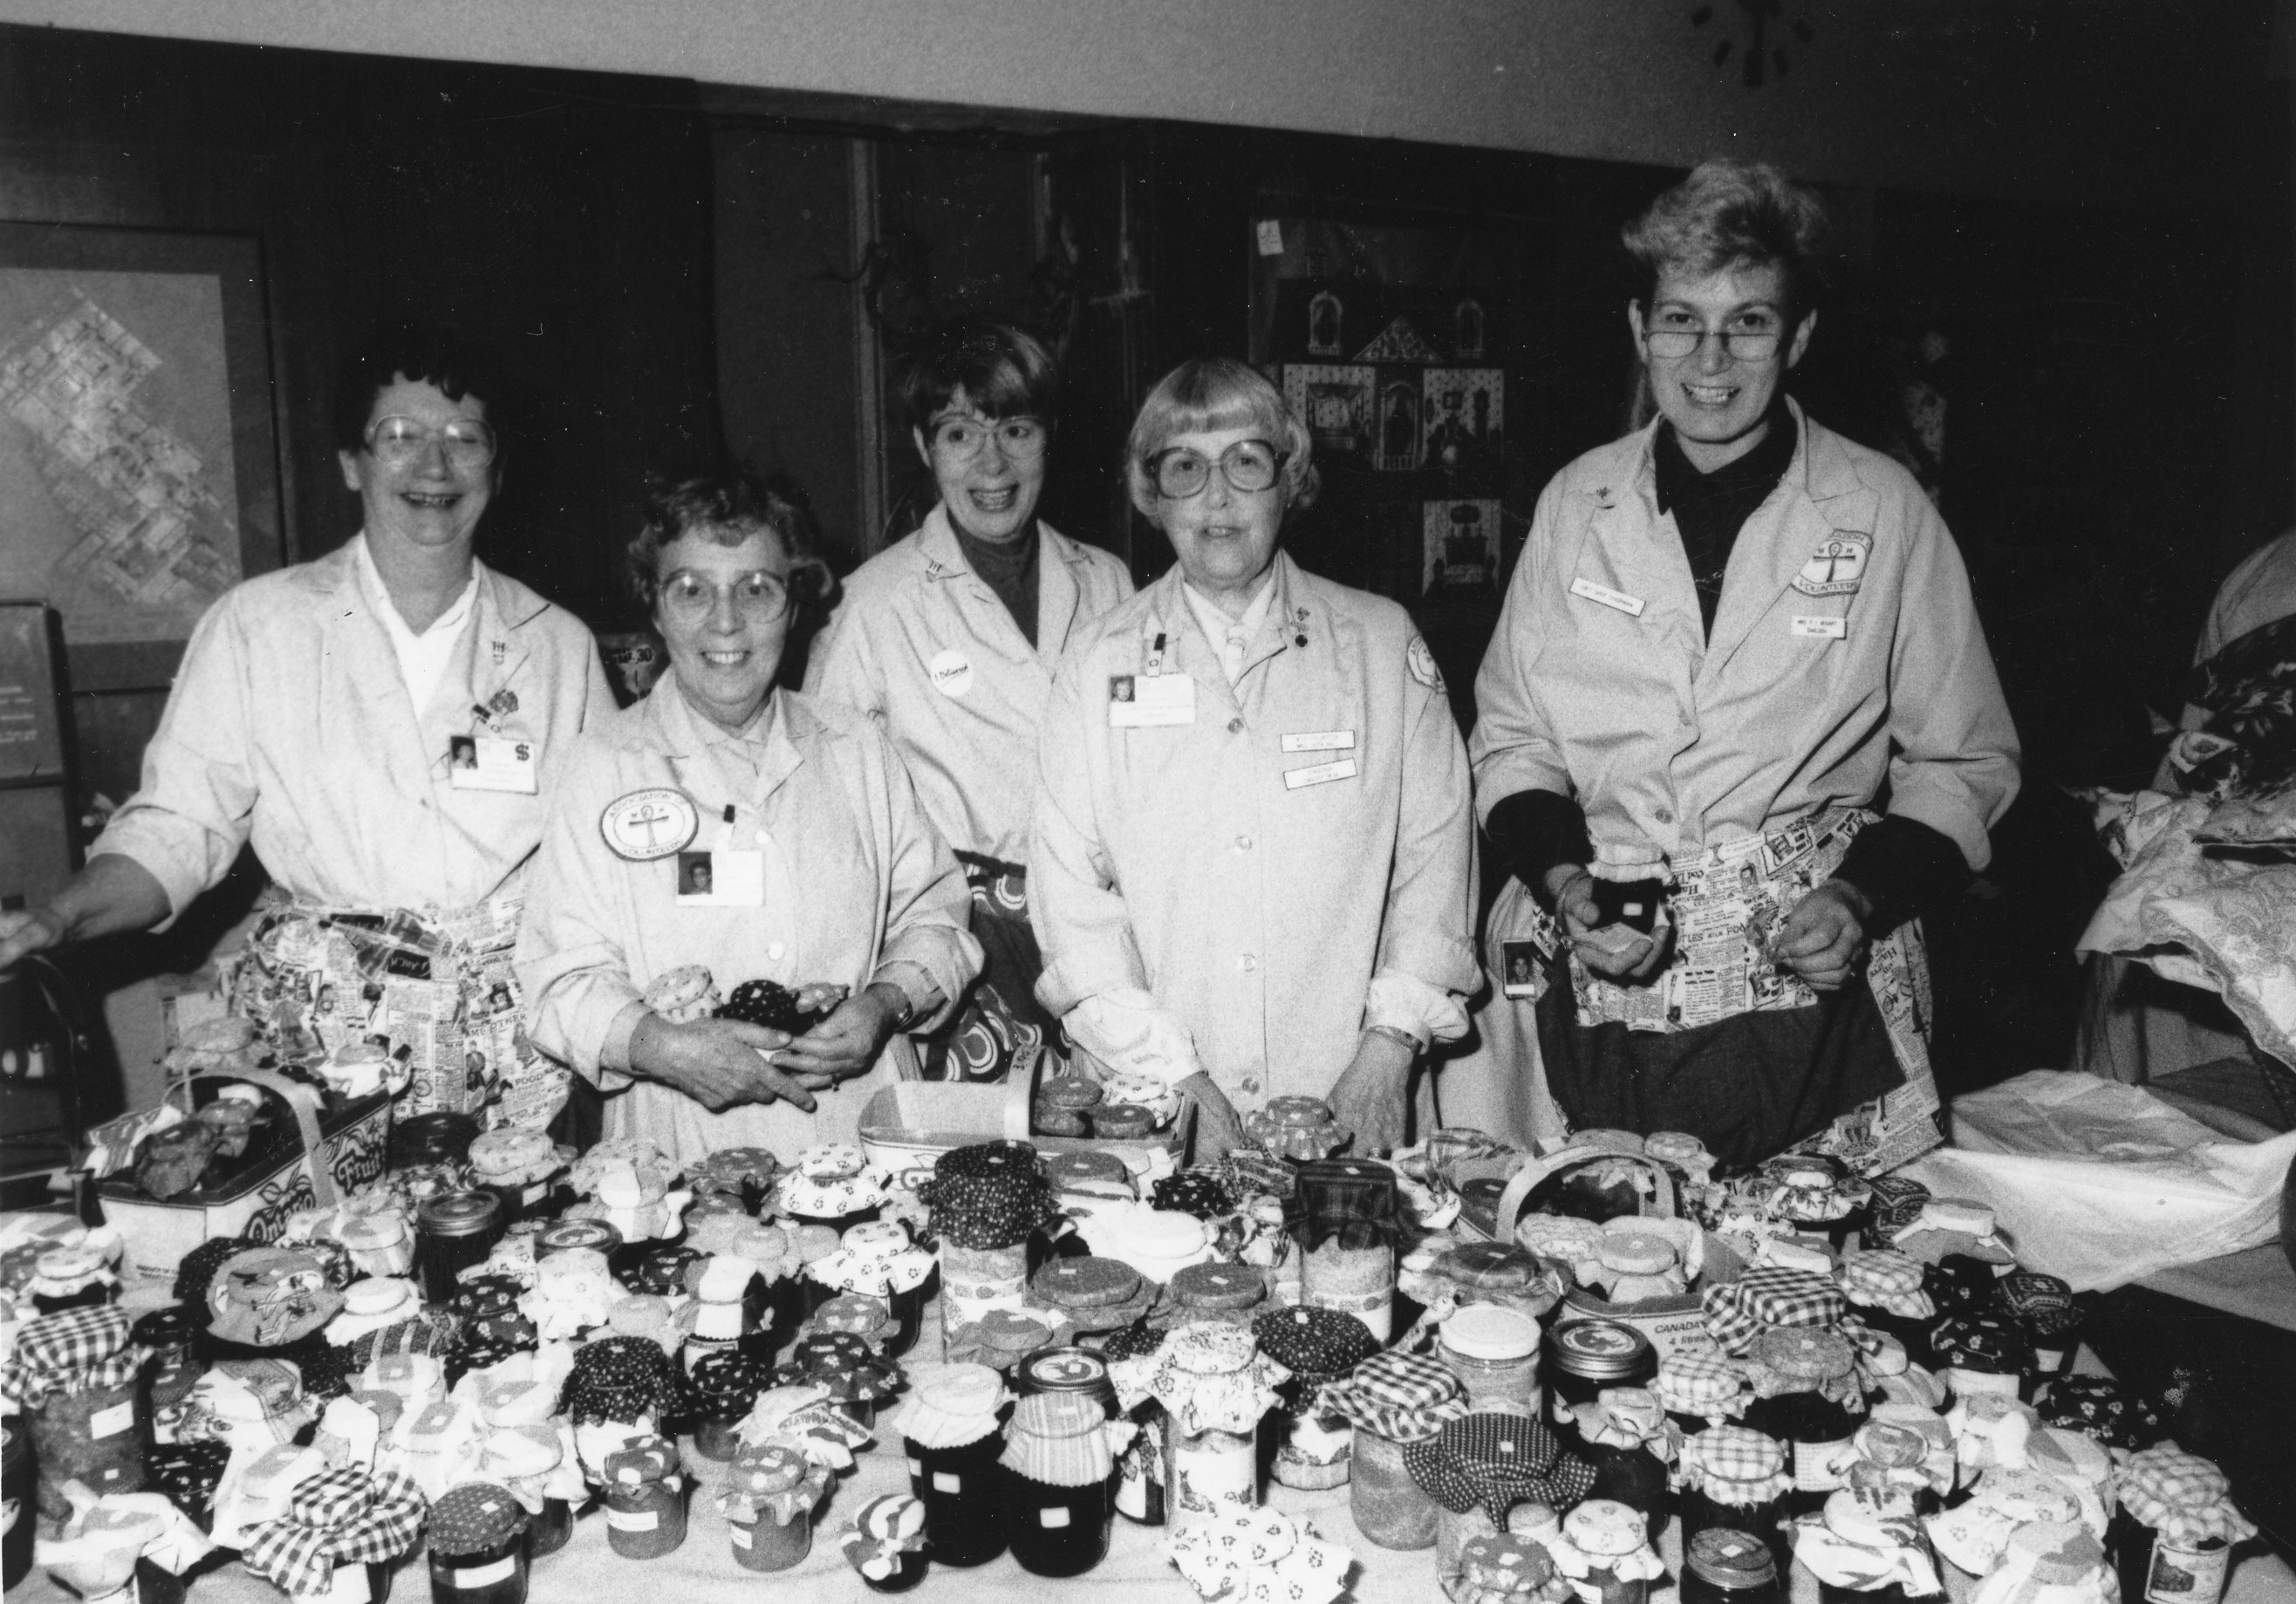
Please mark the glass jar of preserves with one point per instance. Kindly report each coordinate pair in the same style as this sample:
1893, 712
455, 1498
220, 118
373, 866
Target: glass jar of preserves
1725, 1567
1734, 1479
949, 1432
454, 1232
478, 1546
1494, 1351
1058, 1473
1583, 1358
2171, 1540
1805, 1396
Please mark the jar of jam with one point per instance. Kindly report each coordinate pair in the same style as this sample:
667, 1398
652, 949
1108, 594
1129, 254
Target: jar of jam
768, 1504
1217, 1291
478, 1546
1494, 1351
1885, 1288
1310, 1448
2171, 1540
1612, 1550
1623, 1433
1861, 1554
2042, 1307
1816, 1196
949, 1433
1394, 1400
1583, 1358
646, 1499
833, 1186
1058, 1470
1063, 1105
1700, 1390
73, 1276
1723, 1567
1735, 1479
454, 1232
560, 1235
1805, 1391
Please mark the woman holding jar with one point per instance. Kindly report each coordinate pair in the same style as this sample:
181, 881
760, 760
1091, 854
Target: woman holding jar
1251, 860
826, 872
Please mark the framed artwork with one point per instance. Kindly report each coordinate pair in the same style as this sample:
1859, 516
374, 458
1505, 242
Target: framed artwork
1459, 546
139, 472
1335, 400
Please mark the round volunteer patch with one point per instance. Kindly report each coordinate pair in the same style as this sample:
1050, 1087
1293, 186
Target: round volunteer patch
951, 672
1421, 664
651, 824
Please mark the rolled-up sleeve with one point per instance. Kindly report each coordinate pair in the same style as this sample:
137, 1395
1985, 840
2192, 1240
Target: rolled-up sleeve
929, 910
1513, 746
1954, 751
195, 806
572, 968
1428, 931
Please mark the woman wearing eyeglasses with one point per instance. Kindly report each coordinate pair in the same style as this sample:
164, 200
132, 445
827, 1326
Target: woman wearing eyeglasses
1251, 860
1738, 727
948, 640
822, 874
318, 708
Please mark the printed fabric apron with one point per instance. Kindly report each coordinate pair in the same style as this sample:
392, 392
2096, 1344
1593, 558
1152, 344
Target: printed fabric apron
438, 989
1727, 1044
1001, 1021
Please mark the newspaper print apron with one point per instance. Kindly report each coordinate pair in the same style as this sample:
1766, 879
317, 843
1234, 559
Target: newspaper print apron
1000, 1021
1726, 906
438, 989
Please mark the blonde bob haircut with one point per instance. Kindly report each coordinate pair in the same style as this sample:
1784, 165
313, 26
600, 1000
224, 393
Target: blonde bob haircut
1211, 393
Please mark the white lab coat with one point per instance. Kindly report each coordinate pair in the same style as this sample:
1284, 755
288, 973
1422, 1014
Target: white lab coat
289, 725
1259, 916
924, 647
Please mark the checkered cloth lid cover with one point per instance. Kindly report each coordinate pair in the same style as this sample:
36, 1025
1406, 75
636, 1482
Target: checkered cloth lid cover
1769, 1296
2181, 1495
1733, 1464
1497, 1461
1700, 1384
1403, 1398
1884, 1278
340, 1516
78, 1350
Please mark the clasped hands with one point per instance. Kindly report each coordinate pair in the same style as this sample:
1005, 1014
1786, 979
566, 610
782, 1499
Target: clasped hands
1823, 940
721, 1063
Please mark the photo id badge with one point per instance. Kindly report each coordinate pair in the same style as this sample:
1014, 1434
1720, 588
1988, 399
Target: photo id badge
1520, 976
492, 763
724, 878
1138, 702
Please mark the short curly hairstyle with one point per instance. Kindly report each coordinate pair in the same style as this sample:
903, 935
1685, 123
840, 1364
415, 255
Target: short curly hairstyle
454, 363
1003, 371
728, 506
1733, 213
1217, 392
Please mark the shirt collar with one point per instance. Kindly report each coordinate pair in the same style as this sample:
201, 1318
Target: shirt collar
689, 729
1216, 625
378, 596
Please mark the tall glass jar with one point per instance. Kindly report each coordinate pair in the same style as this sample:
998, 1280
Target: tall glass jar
454, 1232
1724, 1566
2171, 1540
1309, 1447
1393, 1401
1350, 1216
1058, 1473
948, 1429
1735, 1479
1494, 1351
1808, 1376
1623, 1434
1584, 1356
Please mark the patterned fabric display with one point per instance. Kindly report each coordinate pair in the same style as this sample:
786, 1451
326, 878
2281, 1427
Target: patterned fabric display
338, 1517
1497, 1461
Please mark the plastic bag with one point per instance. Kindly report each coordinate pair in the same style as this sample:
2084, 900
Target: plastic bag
2103, 1183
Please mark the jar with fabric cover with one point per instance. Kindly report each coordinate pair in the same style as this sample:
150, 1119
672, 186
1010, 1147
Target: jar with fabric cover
1885, 1288
832, 1184
520, 1167
1624, 1435
1318, 1346
727, 1309
74, 1275
19, 1476
1003, 1337
1393, 1401
1983, 1353
663, 1270
524, 1449
1298, 1128
1480, 1467
768, 1503
878, 1260
985, 1205
2042, 1307
1140, 1462
1348, 1220
130, 1548
1064, 1107
646, 1499
1216, 1292
885, 1542
1900, 1462
1086, 1176
454, 1232
2099, 1407
857, 1378
2171, 1540
1605, 1550
1501, 1567
478, 1546
1818, 1197
857, 1314
1584, 1356
745, 1173
1973, 1535
1214, 1385
1962, 1244
1723, 1567
723, 1388
1495, 1273
337, 1535
949, 1432
74, 1376
1494, 1351
1857, 1552
1094, 1296
1059, 1459
1735, 1478
1805, 1396
1700, 1389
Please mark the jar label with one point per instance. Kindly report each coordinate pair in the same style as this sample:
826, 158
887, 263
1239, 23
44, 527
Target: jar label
943, 1482
1207, 1474
487, 1576
111, 1421
632, 1520
740, 1535
916, 1466
1054, 1518
1812, 1463
1375, 1309
2183, 1576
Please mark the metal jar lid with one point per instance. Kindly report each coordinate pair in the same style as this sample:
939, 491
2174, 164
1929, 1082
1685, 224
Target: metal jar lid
1600, 1350
1066, 1369
560, 1235
458, 1214
1732, 1560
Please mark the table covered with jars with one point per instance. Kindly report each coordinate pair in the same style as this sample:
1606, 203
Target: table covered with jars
502, 1370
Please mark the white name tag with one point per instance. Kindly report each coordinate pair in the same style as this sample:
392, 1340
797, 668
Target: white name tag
1823, 629
1321, 774
1632, 606
1053, 1518
486, 1576
1321, 740
1137, 701
722, 878
111, 1421
492, 763
943, 1482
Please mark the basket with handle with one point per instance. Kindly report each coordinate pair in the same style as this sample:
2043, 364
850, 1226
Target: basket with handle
336, 1151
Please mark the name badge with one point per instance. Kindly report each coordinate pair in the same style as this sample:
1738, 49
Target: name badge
1323, 773
1825, 628
1321, 740
492, 763
1138, 702
1632, 606
724, 877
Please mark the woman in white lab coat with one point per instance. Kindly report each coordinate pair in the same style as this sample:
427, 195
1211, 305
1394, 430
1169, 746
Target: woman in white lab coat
1737, 727
948, 640
1251, 860
754, 832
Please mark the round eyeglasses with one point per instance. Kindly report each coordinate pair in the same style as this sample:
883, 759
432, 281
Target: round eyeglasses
1022, 440
758, 597
1249, 466
397, 441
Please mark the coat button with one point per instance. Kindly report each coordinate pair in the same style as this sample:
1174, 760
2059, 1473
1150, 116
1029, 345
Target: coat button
1248, 963
1243, 843
1250, 1084
1235, 726
1662, 814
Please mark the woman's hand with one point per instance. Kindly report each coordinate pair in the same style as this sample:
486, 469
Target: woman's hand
33, 930
1615, 951
1824, 940
1219, 1128
1372, 1096
848, 1042
718, 1063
